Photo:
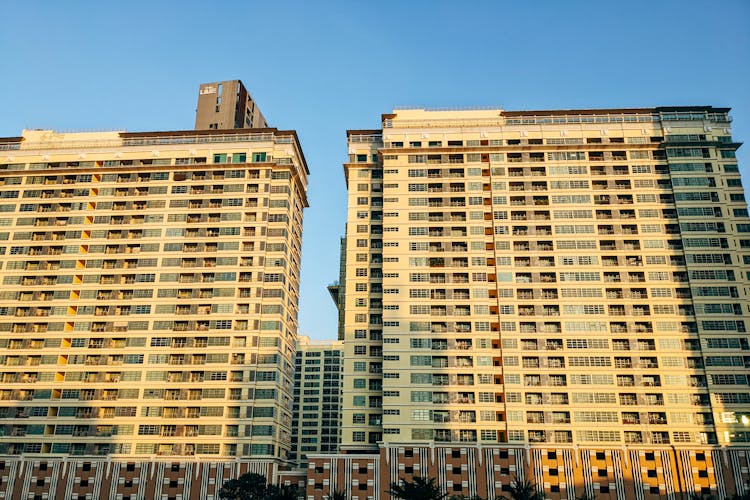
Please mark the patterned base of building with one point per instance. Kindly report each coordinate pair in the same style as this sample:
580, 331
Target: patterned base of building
103, 478
562, 473
487, 471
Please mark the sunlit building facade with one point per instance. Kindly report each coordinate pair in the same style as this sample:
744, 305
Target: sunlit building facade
150, 291
556, 280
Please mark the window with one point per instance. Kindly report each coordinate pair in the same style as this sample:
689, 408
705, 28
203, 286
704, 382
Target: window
421, 396
421, 415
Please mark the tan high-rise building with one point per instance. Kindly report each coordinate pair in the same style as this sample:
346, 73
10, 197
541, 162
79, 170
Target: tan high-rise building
546, 279
150, 291
225, 105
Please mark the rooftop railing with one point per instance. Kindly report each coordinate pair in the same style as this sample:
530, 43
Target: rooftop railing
148, 141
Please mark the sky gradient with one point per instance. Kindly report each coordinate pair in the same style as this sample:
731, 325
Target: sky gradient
324, 67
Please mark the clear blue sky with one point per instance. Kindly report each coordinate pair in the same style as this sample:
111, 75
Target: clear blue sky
324, 67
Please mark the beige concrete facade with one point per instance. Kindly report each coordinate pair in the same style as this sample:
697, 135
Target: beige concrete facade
227, 105
316, 414
546, 278
149, 294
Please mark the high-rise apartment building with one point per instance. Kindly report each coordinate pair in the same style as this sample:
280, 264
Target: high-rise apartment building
316, 410
555, 280
225, 105
150, 291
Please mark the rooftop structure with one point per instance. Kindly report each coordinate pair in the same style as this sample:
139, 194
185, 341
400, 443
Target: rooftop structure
227, 105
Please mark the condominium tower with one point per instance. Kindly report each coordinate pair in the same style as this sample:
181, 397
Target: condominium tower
225, 105
316, 410
546, 278
150, 289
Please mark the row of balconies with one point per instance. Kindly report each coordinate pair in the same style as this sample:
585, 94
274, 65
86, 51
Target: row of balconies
448, 262
453, 398
446, 202
528, 186
452, 380
525, 157
517, 215
455, 436
626, 184
452, 361
115, 377
533, 231
115, 394
450, 327
447, 217
544, 362
540, 327
538, 294
85, 412
528, 246
527, 171
56, 193
449, 294
624, 399
540, 398
553, 417
459, 416
129, 205
630, 437
548, 277
546, 310
529, 200
453, 246
60, 430
101, 449
531, 380
457, 310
